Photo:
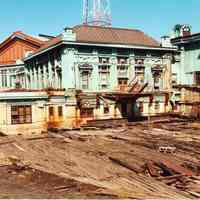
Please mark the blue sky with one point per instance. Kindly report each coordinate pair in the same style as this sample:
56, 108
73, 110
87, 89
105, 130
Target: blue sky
155, 17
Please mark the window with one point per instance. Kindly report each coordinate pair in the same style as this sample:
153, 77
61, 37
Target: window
4, 78
21, 114
156, 77
87, 112
122, 60
104, 74
106, 109
174, 79
122, 67
139, 73
197, 78
85, 80
141, 107
157, 106
51, 111
123, 82
122, 71
60, 111
139, 62
103, 60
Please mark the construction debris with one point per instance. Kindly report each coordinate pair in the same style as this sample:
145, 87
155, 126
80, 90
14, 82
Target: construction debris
123, 162
127, 165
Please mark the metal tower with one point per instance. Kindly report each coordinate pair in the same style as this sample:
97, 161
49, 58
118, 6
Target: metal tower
97, 12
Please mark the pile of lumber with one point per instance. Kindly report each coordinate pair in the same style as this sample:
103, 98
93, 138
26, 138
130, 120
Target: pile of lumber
172, 174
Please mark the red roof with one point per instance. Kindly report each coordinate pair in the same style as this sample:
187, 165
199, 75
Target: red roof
110, 35
23, 36
50, 43
106, 35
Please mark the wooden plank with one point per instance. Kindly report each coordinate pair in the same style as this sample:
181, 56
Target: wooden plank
177, 168
127, 165
152, 169
40, 138
170, 177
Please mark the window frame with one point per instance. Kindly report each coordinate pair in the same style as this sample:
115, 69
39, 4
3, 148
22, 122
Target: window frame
60, 111
157, 106
106, 109
22, 115
51, 111
197, 77
85, 80
104, 76
87, 112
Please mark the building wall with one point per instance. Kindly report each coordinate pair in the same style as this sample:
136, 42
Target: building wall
41, 73
12, 76
189, 63
158, 104
37, 125
64, 67
14, 51
186, 95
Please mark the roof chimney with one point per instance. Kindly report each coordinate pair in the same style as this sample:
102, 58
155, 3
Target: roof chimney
185, 30
68, 34
166, 41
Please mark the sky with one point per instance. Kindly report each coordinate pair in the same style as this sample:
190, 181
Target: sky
154, 17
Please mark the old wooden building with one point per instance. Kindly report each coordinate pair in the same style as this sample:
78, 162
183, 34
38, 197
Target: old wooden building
12, 51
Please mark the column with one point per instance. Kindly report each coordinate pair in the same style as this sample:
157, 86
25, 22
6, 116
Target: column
40, 78
26, 79
60, 78
56, 78
50, 74
114, 73
8, 79
31, 79
131, 70
34, 78
44, 76
1, 80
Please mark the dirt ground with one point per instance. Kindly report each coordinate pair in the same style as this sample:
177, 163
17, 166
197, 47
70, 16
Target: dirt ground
118, 162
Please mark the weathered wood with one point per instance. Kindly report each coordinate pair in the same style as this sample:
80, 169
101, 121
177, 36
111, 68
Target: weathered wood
166, 170
152, 169
40, 138
127, 165
177, 168
170, 177
64, 188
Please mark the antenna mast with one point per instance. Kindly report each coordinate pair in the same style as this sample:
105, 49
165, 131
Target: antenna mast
97, 12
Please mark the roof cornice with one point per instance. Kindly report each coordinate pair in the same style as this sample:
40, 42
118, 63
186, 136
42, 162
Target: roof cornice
100, 45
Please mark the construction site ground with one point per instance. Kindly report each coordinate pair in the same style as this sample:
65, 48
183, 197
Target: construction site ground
159, 160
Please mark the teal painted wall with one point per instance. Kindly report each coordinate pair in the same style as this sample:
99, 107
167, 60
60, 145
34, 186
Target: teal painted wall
189, 63
72, 59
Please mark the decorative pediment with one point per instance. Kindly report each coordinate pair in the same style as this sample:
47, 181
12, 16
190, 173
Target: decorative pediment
157, 68
85, 66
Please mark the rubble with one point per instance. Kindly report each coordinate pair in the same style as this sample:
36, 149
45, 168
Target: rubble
105, 163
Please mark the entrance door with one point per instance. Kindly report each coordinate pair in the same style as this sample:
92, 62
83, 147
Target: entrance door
124, 109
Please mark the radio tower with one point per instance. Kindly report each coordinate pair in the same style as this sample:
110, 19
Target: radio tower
97, 12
